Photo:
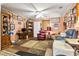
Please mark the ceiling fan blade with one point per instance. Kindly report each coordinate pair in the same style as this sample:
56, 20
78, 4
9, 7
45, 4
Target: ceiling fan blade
44, 10
34, 6
48, 8
28, 11
25, 10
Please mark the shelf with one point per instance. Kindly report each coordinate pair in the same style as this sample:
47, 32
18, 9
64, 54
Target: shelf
30, 28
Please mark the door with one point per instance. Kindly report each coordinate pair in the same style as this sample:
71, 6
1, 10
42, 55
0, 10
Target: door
36, 28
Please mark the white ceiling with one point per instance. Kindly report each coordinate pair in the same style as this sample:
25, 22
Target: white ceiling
32, 9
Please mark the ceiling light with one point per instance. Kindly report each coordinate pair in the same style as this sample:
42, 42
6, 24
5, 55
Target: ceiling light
38, 16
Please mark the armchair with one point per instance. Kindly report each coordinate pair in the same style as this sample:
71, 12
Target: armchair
41, 35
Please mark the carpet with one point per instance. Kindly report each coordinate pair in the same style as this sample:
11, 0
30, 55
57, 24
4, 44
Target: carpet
21, 53
41, 45
29, 44
37, 47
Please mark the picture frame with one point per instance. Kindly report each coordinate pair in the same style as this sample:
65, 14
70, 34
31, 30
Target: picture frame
19, 22
12, 27
19, 18
56, 26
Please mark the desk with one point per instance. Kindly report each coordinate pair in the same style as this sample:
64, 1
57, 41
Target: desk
74, 43
22, 35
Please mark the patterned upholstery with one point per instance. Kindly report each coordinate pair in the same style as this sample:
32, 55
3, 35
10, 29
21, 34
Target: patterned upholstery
41, 35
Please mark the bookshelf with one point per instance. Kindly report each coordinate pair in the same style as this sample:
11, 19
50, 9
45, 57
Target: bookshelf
29, 26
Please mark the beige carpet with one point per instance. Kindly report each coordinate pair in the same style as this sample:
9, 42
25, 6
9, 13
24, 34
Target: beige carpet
36, 46
30, 43
41, 45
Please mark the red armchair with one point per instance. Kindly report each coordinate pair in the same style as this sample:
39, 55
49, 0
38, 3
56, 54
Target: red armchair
41, 35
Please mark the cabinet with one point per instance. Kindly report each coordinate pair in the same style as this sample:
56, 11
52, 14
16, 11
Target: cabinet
29, 26
5, 28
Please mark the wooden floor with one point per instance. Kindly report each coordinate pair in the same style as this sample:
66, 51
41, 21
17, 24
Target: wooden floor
8, 52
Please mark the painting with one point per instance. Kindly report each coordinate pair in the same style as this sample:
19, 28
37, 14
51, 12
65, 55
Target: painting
56, 26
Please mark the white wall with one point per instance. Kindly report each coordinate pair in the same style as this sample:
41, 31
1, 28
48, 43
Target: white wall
36, 28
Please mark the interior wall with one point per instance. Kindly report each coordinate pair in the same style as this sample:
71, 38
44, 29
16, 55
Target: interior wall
51, 23
18, 27
62, 28
0, 26
55, 25
45, 24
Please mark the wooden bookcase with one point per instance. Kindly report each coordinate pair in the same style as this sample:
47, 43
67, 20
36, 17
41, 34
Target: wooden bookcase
29, 26
5, 28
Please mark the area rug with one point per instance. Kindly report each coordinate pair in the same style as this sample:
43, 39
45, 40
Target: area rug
41, 45
30, 43
21, 53
37, 47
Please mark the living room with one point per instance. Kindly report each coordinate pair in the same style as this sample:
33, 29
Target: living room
39, 28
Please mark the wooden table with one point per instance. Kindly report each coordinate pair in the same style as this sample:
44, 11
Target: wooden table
74, 44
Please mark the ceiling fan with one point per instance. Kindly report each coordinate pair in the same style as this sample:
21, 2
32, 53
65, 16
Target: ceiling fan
39, 13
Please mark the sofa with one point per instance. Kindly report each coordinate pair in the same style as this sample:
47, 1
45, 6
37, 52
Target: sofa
61, 48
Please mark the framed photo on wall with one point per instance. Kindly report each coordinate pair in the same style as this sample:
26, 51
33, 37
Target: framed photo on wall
12, 27
55, 26
19, 18
19, 22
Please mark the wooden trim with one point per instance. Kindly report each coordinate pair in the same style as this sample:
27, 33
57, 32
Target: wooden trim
77, 8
